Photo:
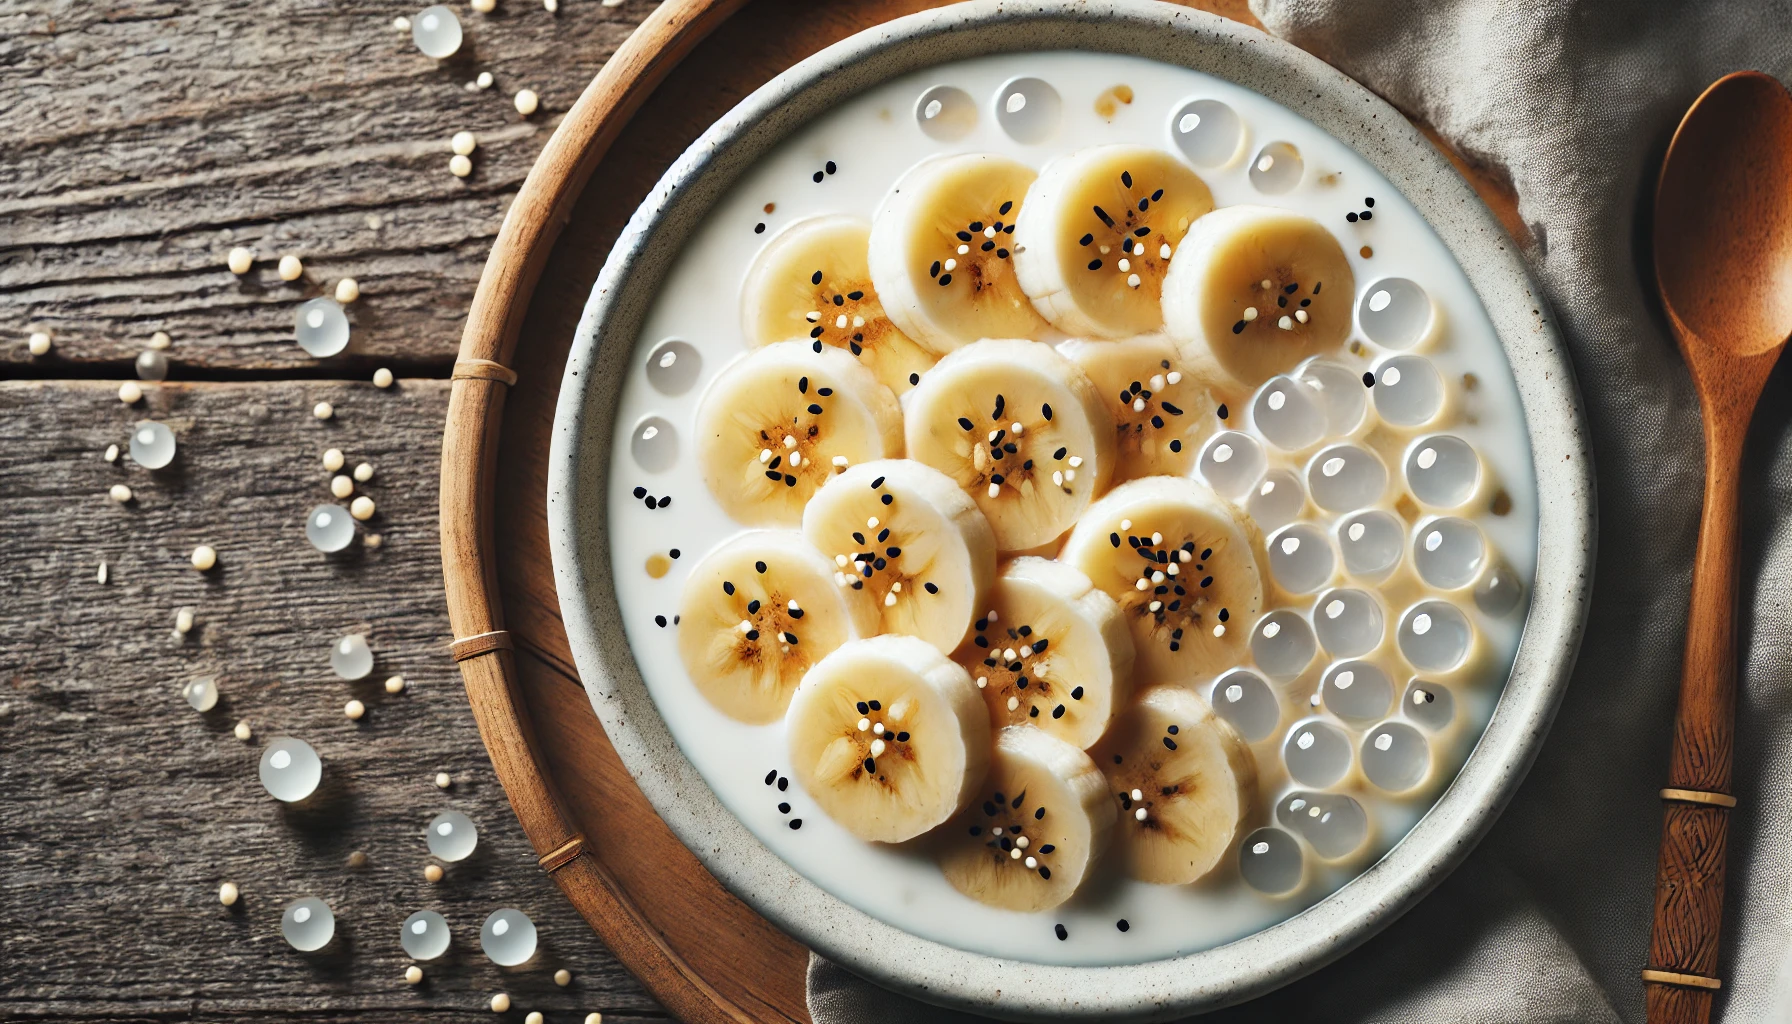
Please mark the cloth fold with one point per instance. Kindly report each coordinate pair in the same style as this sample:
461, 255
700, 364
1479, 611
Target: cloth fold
1548, 920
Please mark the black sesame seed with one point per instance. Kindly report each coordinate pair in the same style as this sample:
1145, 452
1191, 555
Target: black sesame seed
1174, 729
875, 706
902, 737
817, 177
830, 167
914, 378
1238, 328
1122, 925
1368, 379
759, 229
934, 271
1086, 239
752, 607
1045, 872
1368, 200
976, 830
1350, 217
1168, 742
870, 766
1008, 204
1058, 712
976, 225
759, 566
752, 634
1222, 411
1095, 264
783, 808
1176, 446
1076, 694
1046, 411
666, 502
945, 279
660, 621
795, 823
1126, 178
783, 784
931, 588
1368, 214
987, 246
814, 410
640, 492
1103, 214
1063, 933
728, 588
771, 776
1032, 712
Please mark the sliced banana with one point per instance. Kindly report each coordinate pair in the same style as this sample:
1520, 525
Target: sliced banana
759, 611
1097, 233
813, 281
1183, 565
778, 422
888, 736
1052, 651
1254, 290
1182, 781
1042, 817
1019, 427
942, 253
908, 539
1161, 410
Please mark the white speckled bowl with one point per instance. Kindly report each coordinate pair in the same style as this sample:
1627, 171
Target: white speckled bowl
918, 967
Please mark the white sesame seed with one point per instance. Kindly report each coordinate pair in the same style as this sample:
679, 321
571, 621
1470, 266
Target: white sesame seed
789, 441
120, 493
1126, 524
1157, 382
484, 81
841, 461
444, 780
765, 456
332, 459
463, 143
100, 577
1163, 251
813, 316
840, 321
204, 557
951, 265
527, 102
500, 1002
562, 977
1285, 323
1250, 313
1139, 814
1057, 479
183, 621
414, 974
401, 24
111, 453
995, 490
1156, 606
1138, 405
1157, 577
484, 6
364, 472
1143, 584
1032, 862
1301, 315
240, 260
348, 290
864, 724
394, 684
1014, 854
1013, 702
242, 730
1174, 377
323, 410
982, 682
361, 508
291, 267
1076, 462
130, 392
877, 748
160, 341
354, 709
1219, 630
1124, 265
890, 600
963, 249
227, 894
341, 486
459, 166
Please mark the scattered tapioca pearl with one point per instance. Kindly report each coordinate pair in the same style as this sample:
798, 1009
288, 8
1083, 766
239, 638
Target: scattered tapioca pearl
323, 410
240, 260
120, 493
443, 780
433, 873
413, 974
130, 392
341, 486
562, 977
291, 267
500, 1003
527, 102
361, 508
364, 472
204, 557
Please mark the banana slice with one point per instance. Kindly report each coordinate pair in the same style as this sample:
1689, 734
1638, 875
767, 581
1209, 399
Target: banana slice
1019, 427
888, 736
759, 611
813, 281
908, 539
1184, 567
778, 422
1182, 780
1043, 818
1052, 652
1161, 411
942, 252
1096, 235
1255, 290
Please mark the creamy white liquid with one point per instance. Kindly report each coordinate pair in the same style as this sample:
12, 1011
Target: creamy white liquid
874, 138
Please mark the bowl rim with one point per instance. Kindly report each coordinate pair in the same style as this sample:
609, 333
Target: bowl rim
931, 971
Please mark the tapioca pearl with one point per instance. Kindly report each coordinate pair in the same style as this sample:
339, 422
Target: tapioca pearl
1287, 413
1334, 824
1277, 499
1242, 698
1282, 645
1448, 552
1429, 704
508, 937
1300, 558
321, 327
152, 365
1357, 691
1208, 132
1408, 391
436, 31
307, 924
946, 113
1343, 477
1442, 470
1395, 313
290, 769
1029, 109
451, 836
673, 366
1348, 622
1339, 391
424, 935
1371, 542
329, 528
1316, 752
1232, 462
654, 445
201, 693
152, 444
1270, 861
1498, 591
1434, 636
1276, 168
1396, 756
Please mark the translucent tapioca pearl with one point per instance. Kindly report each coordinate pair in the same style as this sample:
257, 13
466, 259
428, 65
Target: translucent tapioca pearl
1349, 622
1357, 691
1448, 552
1395, 313
1334, 824
152, 365
152, 444
424, 935
351, 658
1282, 645
1277, 500
1232, 462
290, 769
307, 924
1276, 168
1029, 109
508, 937
451, 836
946, 113
1339, 391
1371, 542
321, 327
201, 693
1317, 753
329, 528
1207, 132
654, 445
1434, 636
673, 366
1429, 704
1270, 861
1396, 756
1499, 591
1408, 391
1443, 471
1343, 477
1287, 413
436, 31
1242, 698
1300, 558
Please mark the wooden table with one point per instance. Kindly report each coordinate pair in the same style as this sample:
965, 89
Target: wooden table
143, 141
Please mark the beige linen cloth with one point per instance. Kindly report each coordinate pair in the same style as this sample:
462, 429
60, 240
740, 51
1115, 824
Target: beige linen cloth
1548, 920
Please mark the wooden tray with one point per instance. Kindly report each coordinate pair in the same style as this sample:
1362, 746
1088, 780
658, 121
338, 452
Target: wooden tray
704, 954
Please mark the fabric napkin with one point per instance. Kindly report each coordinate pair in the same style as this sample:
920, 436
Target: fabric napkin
1548, 920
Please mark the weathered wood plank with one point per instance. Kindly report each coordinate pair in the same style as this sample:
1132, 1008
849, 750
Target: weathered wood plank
124, 809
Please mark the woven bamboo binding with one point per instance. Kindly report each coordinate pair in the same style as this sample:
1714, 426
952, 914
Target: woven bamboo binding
482, 376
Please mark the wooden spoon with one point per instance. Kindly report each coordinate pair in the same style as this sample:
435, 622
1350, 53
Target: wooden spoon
1723, 264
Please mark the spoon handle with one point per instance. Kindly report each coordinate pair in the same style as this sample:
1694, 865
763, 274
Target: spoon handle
1689, 889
